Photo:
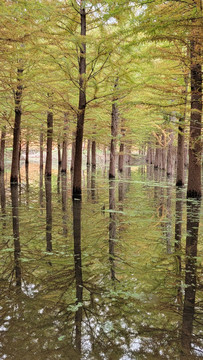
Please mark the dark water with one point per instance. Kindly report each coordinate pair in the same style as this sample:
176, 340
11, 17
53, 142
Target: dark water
116, 277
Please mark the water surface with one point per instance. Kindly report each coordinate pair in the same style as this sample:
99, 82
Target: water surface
118, 276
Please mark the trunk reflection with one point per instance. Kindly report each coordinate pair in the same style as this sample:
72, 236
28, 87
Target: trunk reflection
193, 215
16, 234
78, 270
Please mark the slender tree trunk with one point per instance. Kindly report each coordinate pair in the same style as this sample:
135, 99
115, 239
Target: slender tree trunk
73, 153
27, 153
2, 150
156, 159
114, 129
77, 177
64, 148
170, 154
104, 155
48, 166
181, 140
88, 152
93, 155
41, 152
16, 130
194, 170
163, 158
121, 158
59, 154
180, 155
122, 147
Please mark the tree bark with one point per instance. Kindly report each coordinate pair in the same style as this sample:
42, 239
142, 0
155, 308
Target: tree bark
194, 170
77, 177
48, 166
41, 152
170, 154
114, 129
2, 150
88, 152
64, 146
122, 148
72, 153
16, 130
180, 155
93, 155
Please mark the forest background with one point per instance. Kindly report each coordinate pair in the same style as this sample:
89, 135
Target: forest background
120, 74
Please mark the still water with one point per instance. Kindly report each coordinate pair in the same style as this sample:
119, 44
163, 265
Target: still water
116, 277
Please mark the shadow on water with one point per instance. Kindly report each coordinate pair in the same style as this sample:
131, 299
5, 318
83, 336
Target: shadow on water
16, 234
112, 227
64, 203
193, 217
48, 193
178, 238
113, 290
78, 272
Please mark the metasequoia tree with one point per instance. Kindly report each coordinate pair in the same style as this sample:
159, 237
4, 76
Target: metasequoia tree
81, 106
196, 38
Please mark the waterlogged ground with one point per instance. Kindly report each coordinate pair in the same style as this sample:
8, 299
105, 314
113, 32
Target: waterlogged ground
117, 277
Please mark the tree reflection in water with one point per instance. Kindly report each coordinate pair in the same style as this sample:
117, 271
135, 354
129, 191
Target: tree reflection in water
48, 213
193, 216
112, 227
16, 234
78, 271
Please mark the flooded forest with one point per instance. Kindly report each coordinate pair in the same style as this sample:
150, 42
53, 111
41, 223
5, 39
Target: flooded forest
101, 218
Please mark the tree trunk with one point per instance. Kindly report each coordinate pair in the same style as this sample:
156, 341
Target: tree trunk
88, 152
114, 129
64, 146
41, 152
180, 155
93, 155
77, 177
121, 158
27, 153
16, 130
194, 170
59, 154
72, 153
170, 154
122, 147
2, 150
156, 159
48, 166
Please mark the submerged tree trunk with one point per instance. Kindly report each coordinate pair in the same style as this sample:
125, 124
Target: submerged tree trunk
114, 129
16, 130
93, 155
2, 150
194, 170
48, 166
64, 146
77, 177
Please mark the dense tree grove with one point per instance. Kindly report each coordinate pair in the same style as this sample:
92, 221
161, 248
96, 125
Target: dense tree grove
124, 75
